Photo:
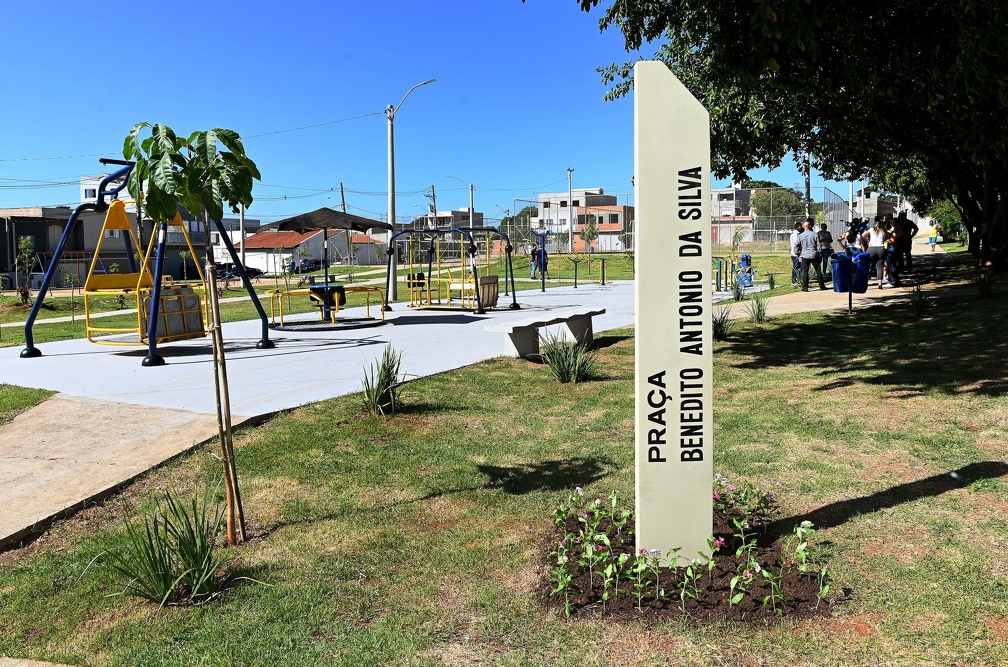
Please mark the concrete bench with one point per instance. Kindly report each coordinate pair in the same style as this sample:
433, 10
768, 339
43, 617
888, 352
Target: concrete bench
523, 336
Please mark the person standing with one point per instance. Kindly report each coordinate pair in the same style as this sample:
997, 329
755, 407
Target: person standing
933, 234
543, 263
908, 230
825, 248
873, 240
534, 260
807, 250
795, 261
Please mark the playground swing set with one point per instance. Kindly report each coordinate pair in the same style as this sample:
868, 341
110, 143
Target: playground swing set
447, 283
173, 312
182, 309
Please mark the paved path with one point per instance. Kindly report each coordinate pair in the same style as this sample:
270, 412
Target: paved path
112, 419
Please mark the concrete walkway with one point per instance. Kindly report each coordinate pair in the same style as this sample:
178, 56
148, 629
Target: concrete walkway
112, 419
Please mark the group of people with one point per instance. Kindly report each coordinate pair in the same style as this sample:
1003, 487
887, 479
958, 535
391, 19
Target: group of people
888, 241
810, 249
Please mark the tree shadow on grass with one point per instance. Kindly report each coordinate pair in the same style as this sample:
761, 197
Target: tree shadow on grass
956, 351
518, 479
522, 478
840, 512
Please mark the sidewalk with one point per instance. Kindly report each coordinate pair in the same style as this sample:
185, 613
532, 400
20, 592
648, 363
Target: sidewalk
113, 419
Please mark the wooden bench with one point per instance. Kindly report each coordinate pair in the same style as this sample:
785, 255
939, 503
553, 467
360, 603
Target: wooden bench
523, 336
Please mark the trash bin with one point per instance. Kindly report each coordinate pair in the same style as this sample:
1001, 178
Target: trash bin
489, 291
745, 261
842, 268
862, 266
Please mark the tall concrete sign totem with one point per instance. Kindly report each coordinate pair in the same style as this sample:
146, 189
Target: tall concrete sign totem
674, 409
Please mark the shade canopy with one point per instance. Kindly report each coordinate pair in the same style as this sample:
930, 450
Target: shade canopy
326, 218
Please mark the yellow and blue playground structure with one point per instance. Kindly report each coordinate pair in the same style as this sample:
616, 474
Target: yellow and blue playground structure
172, 311
447, 283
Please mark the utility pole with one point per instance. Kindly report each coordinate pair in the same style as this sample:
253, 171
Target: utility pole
570, 215
433, 197
391, 286
808, 185
241, 231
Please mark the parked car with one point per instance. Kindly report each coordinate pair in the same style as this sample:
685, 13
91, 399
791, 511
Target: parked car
229, 270
309, 264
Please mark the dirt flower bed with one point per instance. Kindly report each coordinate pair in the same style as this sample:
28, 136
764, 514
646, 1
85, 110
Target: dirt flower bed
591, 565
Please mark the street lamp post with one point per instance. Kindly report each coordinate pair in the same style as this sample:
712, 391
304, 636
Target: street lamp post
390, 113
570, 215
507, 216
471, 188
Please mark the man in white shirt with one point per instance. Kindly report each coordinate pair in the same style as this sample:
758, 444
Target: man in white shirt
795, 262
807, 248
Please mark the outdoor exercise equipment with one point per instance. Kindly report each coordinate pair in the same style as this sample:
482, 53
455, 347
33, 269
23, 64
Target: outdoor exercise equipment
144, 281
436, 288
728, 272
327, 297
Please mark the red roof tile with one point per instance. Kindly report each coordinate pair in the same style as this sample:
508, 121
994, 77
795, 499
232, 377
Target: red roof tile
270, 240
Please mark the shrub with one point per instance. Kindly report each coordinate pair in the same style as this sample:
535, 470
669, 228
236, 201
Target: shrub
757, 308
722, 324
568, 361
171, 557
737, 291
771, 281
985, 281
381, 384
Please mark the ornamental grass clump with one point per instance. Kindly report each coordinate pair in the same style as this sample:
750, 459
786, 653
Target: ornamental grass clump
985, 281
382, 384
568, 361
722, 323
171, 558
757, 308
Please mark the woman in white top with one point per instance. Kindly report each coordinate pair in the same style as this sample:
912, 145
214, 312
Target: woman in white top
875, 238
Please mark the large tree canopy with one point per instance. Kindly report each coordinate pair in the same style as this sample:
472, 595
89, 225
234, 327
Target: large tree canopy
911, 93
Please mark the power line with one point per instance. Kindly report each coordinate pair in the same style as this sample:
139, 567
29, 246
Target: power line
309, 127
54, 157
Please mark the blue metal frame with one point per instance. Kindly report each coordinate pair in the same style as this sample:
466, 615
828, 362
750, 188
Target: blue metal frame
30, 351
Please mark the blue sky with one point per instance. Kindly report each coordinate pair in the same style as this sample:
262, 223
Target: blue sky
517, 99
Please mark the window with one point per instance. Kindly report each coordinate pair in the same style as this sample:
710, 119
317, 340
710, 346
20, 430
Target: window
563, 203
90, 193
575, 203
546, 204
614, 218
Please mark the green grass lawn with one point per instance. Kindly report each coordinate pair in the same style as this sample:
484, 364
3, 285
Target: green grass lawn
416, 540
14, 400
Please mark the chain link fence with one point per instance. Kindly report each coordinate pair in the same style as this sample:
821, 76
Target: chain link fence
772, 215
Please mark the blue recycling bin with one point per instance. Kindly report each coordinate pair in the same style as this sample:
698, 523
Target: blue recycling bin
862, 267
842, 268
745, 261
